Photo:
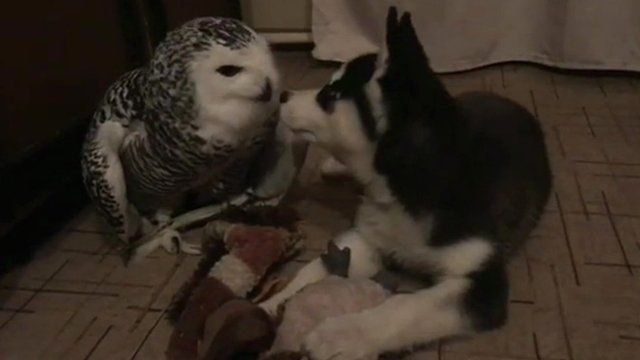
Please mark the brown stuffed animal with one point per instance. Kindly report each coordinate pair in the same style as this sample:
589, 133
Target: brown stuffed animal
211, 306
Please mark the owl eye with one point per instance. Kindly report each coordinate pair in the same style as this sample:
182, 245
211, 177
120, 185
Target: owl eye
228, 70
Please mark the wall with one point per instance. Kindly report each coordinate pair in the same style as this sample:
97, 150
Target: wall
279, 21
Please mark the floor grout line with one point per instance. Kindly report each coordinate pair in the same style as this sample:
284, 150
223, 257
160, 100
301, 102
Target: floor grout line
581, 195
590, 127
617, 234
95, 346
559, 139
179, 260
82, 333
629, 337
536, 347
146, 336
565, 330
613, 265
76, 311
568, 242
535, 106
61, 291
35, 292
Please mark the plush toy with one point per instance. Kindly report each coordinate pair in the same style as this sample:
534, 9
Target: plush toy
216, 322
333, 296
212, 317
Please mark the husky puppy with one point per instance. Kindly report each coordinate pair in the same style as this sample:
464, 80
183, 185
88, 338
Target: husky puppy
452, 185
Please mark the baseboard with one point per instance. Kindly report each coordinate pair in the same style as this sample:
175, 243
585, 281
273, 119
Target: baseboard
41, 192
287, 37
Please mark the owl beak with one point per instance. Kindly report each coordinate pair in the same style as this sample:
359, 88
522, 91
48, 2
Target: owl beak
267, 93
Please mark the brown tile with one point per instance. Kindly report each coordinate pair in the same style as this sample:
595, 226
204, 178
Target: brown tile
71, 335
464, 82
523, 97
88, 268
89, 221
459, 356
57, 301
580, 144
80, 242
528, 76
492, 78
27, 334
44, 265
128, 297
549, 332
616, 85
570, 194
630, 188
86, 339
513, 340
170, 286
126, 335
548, 106
155, 344
520, 279
150, 271
11, 299
594, 240
564, 119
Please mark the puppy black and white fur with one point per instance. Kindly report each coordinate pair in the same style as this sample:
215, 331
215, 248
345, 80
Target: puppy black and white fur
452, 186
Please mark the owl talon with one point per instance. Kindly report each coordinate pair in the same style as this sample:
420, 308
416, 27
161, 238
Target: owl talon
190, 249
258, 200
172, 243
170, 240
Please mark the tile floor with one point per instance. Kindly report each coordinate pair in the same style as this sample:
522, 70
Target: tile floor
575, 289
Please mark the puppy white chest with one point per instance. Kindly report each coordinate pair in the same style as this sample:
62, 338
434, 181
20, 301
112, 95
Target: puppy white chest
395, 233
390, 229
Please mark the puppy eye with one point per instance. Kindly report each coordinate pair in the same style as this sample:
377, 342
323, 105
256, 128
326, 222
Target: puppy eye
228, 70
327, 97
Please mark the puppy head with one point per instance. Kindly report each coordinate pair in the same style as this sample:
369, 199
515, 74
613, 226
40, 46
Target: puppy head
340, 116
348, 115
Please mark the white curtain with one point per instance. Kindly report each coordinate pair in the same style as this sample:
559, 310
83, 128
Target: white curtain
464, 34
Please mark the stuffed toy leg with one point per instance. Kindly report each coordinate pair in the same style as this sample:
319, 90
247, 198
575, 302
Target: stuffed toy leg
218, 305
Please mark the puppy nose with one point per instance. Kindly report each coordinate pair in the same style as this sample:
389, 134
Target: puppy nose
267, 92
284, 97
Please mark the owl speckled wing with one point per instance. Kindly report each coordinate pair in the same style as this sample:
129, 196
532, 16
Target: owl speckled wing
102, 169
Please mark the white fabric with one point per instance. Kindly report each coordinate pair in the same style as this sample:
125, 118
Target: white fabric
235, 274
463, 34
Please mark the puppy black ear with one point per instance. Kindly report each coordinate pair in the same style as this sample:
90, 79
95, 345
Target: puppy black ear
407, 70
405, 20
411, 48
407, 33
392, 25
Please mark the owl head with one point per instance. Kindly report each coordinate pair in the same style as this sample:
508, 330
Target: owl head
213, 71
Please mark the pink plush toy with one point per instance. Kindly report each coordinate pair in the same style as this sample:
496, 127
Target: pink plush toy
333, 296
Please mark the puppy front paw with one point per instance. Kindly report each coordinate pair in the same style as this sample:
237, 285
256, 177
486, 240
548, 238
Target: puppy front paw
272, 306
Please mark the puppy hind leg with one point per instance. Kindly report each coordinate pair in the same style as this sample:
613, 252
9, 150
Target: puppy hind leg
455, 306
